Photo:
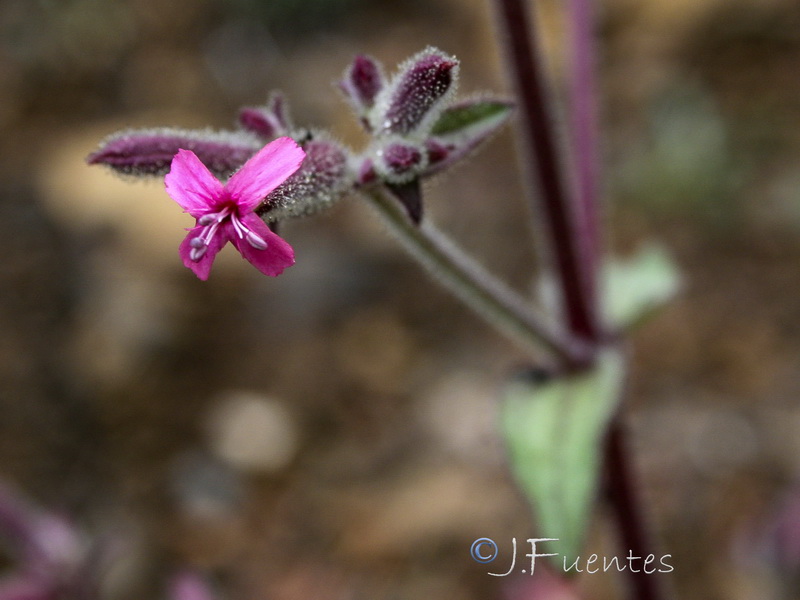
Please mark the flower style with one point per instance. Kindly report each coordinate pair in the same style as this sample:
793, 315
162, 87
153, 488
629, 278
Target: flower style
226, 213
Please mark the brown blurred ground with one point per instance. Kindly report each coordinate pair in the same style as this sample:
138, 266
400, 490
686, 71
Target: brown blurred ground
329, 434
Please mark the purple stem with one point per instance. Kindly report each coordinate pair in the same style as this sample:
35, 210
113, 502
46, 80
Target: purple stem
560, 214
584, 132
620, 472
623, 494
574, 232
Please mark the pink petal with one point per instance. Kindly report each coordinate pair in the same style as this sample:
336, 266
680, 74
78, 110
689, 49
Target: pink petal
275, 258
191, 184
265, 171
202, 267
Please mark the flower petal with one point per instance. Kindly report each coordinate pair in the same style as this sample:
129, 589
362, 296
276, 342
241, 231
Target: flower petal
202, 267
265, 171
271, 261
191, 184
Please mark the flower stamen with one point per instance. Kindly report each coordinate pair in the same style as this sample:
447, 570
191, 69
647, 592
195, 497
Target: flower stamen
255, 240
238, 226
211, 223
244, 232
199, 248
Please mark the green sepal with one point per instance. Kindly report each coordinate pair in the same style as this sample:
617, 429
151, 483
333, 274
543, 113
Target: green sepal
473, 118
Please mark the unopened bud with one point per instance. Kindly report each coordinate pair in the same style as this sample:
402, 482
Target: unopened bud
268, 121
399, 162
361, 83
321, 180
149, 152
365, 173
437, 152
415, 97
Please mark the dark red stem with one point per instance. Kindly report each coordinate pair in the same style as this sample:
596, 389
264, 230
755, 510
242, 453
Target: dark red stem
559, 215
583, 123
628, 513
573, 229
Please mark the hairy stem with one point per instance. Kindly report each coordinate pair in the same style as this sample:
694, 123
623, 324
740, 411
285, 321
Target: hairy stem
560, 215
474, 285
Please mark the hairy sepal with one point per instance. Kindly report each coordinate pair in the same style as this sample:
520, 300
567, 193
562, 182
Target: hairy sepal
416, 95
149, 152
324, 177
463, 127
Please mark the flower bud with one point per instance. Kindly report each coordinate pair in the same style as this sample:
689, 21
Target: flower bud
321, 180
365, 171
437, 152
361, 83
149, 152
416, 95
269, 121
400, 162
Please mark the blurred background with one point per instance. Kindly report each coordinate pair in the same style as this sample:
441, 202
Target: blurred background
330, 434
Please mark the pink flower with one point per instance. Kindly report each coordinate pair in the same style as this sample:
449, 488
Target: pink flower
226, 213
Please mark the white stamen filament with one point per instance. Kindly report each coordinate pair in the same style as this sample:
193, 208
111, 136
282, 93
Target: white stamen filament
252, 238
256, 241
211, 223
238, 226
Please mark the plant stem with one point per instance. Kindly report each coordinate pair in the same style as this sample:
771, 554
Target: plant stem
474, 285
622, 492
560, 215
573, 228
620, 469
584, 134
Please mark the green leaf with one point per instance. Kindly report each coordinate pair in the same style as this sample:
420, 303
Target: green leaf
475, 118
554, 431
635, 288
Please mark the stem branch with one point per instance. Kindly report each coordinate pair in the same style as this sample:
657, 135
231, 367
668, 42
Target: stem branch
474, 285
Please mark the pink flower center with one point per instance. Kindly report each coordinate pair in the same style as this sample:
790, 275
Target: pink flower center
211, 223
